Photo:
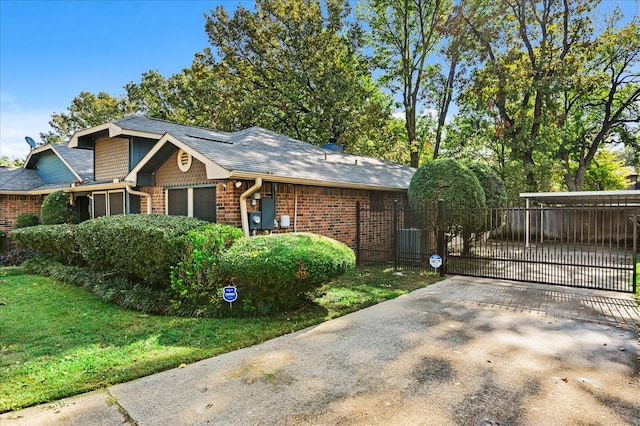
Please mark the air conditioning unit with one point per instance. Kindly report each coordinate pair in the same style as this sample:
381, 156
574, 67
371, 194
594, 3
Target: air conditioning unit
410, 245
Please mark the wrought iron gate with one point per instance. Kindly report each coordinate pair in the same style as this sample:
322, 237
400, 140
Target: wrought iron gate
591, 245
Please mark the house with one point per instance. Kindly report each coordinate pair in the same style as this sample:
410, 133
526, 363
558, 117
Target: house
47, 169
254, 178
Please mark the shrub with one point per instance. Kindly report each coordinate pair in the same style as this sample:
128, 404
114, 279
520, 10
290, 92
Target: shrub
110, 289
3, 242
196, 279
56, 209
140, 248
461, 191
55, 241
25, 220
16, 257
494, 189
276, 272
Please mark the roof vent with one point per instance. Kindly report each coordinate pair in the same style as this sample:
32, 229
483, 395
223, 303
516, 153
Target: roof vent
184, 160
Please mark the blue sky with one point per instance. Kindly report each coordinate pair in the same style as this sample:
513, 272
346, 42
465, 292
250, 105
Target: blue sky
51, 50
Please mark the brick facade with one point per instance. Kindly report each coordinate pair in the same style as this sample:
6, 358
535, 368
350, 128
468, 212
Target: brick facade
13, 205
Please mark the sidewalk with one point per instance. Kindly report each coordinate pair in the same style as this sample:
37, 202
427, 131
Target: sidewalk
463, 351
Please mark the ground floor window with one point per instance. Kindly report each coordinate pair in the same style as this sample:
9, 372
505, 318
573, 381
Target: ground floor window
108, 203
198, 202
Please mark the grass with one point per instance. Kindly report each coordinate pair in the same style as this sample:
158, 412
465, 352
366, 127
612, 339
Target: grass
57, 340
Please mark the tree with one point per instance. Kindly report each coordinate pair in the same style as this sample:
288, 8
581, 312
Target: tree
545, 78
461, 191
294, 67
10, 162
403, 35
86, 110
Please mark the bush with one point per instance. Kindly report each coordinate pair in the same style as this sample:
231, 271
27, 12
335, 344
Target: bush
55, 241
196, 280
462, 194
56, 209
3, 242
110, 289
16, 257
140, 248
25, 220
276, 272
494, 189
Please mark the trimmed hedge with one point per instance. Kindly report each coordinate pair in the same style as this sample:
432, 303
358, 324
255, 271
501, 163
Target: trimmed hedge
25, 220
55, 241
196, 280
56, 209
140, 248
276, 272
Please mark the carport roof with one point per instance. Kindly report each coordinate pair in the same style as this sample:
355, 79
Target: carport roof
626, 197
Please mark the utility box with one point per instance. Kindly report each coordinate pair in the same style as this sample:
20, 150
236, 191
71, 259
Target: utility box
264, 219
268, 206
255, 220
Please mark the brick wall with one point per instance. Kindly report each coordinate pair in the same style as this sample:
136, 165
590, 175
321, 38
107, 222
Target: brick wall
13, 205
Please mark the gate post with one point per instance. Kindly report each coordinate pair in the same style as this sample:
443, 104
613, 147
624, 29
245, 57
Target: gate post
357, 232
440, 225
636, 225
395, 234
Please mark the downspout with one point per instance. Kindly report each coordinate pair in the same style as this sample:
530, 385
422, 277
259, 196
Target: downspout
142, 194
243, 205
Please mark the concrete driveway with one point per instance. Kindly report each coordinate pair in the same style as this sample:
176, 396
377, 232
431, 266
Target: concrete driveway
459, 352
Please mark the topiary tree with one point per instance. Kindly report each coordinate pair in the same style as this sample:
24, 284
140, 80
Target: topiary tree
495, 192
461, 191
56, 209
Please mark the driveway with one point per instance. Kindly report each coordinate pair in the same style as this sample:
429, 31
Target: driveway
459, 352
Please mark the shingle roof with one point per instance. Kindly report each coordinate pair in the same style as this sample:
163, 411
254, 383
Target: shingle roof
80, 160
19, 179
262, 152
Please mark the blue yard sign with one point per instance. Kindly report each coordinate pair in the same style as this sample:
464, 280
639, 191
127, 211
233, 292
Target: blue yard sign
229, 293
435, 261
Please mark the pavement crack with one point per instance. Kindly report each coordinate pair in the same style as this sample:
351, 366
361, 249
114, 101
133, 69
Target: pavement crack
111, 400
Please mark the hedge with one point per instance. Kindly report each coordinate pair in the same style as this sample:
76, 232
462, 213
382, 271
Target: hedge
140, 248
55, 241
276, 272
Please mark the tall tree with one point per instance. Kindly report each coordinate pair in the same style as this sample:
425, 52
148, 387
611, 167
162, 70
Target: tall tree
86, 110
404, 33
545, 75
296, 69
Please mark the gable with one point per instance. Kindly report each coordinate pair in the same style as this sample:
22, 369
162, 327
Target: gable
51, 169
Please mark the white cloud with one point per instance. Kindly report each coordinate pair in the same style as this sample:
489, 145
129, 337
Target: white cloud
15, 125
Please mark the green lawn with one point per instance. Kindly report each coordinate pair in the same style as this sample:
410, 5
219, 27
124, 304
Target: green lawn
58, 340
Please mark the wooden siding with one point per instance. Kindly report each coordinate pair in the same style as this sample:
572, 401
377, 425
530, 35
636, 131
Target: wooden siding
170, 175
52, 170
111, 158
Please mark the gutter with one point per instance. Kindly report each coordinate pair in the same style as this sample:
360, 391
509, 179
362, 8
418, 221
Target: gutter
243, 205
142, 194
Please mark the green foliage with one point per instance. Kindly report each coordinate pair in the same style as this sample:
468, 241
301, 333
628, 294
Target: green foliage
461, 191
196, 279
140, 248
494, 190
276, 272
26, 219
86, 110
56, 209
58, 242
606, 172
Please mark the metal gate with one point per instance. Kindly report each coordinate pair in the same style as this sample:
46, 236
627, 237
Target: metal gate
590, 245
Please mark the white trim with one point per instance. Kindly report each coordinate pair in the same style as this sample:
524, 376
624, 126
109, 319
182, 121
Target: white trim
184, 160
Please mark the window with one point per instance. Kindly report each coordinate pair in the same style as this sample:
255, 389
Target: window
108, 203
198, 202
